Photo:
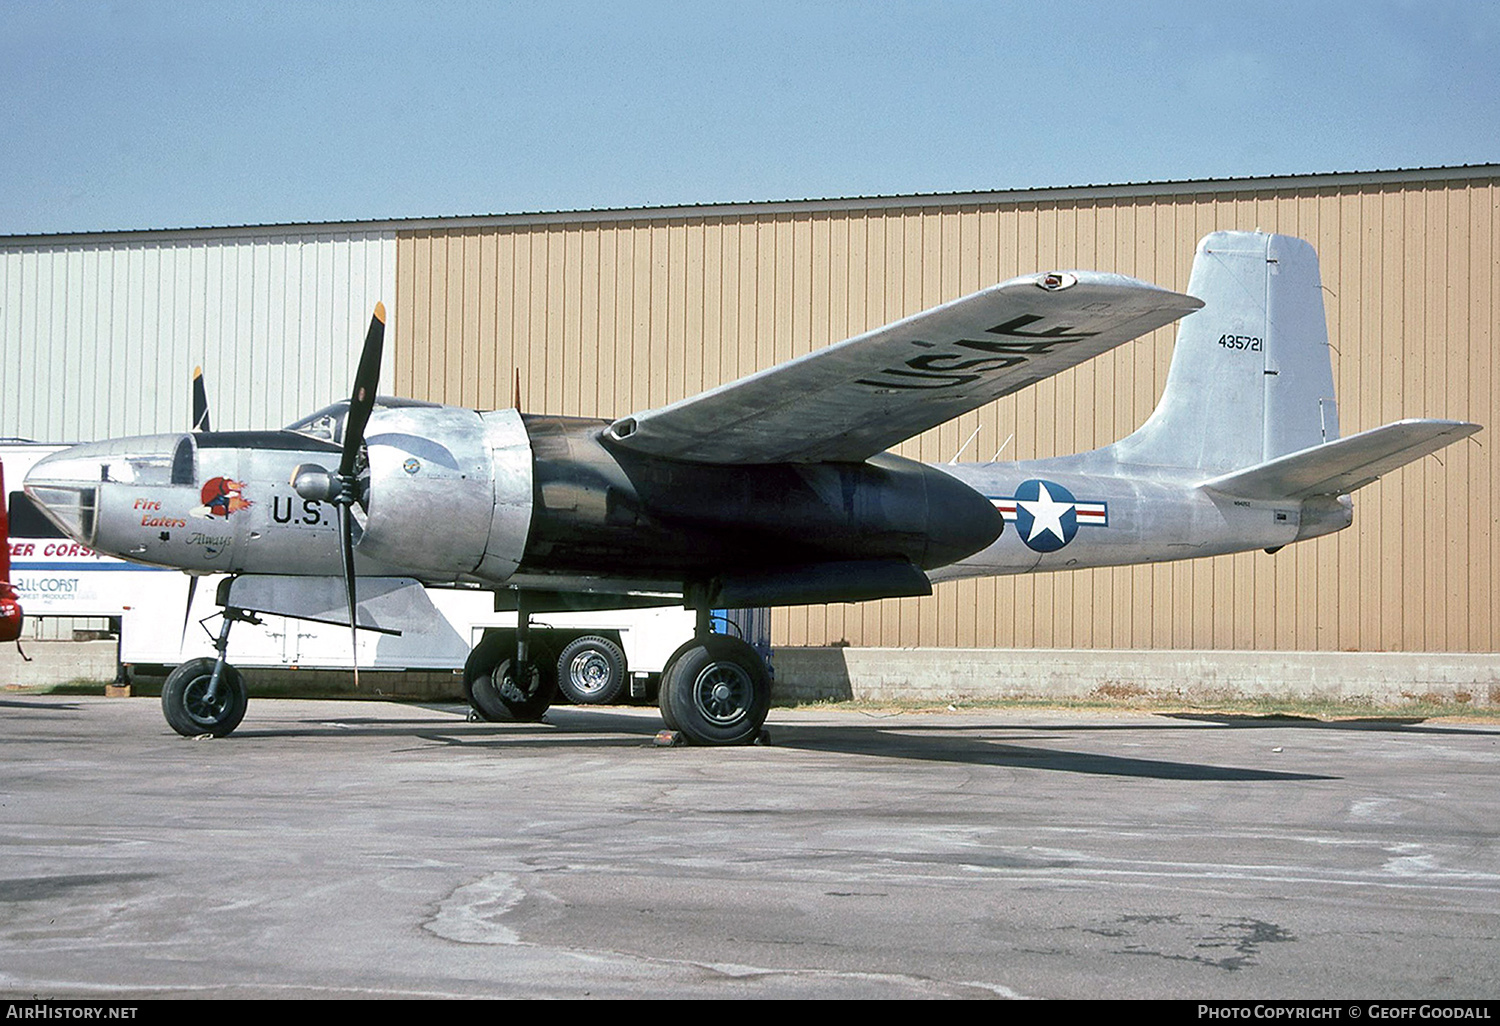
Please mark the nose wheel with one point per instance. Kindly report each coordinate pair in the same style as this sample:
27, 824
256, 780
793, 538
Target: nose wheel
195, 704
207, 696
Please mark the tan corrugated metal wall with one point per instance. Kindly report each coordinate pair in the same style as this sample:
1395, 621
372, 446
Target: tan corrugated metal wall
603, 317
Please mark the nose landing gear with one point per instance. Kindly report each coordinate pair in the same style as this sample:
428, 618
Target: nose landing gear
207, 696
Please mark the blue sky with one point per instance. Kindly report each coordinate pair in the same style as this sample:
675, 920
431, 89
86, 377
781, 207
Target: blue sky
137, 114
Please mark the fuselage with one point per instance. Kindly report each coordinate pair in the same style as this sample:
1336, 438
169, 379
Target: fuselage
1075, 512
452, 496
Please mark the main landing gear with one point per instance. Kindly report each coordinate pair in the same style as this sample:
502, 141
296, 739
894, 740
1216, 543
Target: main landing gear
715, 689
502, 686
502, 681
207, 696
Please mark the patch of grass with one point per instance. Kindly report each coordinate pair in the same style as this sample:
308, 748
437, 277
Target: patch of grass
1267, 707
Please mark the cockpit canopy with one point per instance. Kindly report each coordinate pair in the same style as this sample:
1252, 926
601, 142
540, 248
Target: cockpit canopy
327, 424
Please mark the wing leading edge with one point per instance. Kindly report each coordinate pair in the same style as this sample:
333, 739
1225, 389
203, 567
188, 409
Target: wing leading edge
856, 398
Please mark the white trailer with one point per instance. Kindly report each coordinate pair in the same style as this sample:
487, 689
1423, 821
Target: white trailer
598, 654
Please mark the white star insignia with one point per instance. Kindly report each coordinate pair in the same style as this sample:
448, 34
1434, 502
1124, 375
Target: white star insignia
1046, 513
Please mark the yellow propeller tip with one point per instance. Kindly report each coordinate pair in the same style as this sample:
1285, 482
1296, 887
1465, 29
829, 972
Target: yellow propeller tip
380, 312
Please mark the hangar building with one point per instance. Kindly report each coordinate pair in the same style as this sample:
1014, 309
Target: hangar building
604, 312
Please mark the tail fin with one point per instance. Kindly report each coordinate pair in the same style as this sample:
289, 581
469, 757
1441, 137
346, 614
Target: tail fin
1251, 378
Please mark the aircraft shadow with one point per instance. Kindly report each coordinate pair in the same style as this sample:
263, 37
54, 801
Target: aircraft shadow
39, 706
1392, 724
939, 745
596, 728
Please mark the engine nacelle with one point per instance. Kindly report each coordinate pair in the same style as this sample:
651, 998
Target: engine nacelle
450, 492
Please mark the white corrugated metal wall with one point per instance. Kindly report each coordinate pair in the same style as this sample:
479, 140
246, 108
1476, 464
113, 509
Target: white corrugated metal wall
99, 335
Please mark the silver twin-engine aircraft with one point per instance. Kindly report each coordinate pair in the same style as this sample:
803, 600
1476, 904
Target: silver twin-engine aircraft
775, 489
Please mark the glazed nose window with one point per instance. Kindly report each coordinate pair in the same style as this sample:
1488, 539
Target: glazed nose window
70, 508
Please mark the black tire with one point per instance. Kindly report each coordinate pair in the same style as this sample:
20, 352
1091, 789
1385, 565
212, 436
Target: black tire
591, 671
668, 719
716, 691
189, 710
494, 690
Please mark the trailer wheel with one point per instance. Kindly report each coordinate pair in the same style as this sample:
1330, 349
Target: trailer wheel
188, 707
716, 691
591, 670
497, 692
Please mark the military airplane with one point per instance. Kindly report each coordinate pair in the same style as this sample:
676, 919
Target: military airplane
775, 489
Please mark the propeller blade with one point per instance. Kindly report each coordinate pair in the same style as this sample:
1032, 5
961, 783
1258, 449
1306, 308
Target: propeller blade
362, 400
517, 402
346, 546
187, 613
200, 402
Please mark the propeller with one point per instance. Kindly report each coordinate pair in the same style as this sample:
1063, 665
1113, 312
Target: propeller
341, 488
200, 423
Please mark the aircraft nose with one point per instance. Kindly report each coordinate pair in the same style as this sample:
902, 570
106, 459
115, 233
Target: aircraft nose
65, 485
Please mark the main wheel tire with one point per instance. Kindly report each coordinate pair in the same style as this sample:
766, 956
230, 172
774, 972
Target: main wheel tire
496, 692
668, 718
190, 711
716, 691
591, 671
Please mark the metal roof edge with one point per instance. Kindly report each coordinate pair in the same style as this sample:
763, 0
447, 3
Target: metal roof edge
1041, 194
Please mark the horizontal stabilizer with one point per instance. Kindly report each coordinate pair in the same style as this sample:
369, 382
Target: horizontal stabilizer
1344, 465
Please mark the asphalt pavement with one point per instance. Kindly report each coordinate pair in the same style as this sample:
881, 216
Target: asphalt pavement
369, 849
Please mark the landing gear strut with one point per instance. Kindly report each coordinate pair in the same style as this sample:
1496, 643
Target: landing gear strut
715, 689
207, 696
503, 682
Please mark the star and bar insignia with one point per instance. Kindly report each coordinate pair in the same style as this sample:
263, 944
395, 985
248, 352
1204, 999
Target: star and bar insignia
1047, 516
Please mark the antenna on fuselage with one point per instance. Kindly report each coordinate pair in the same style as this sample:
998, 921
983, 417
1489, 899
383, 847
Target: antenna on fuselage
961, 448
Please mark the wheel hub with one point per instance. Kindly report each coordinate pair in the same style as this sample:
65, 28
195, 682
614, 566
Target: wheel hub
723, 693
589, 671
202, 707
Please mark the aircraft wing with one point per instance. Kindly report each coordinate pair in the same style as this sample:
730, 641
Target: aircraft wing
856, 398
1343, 465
